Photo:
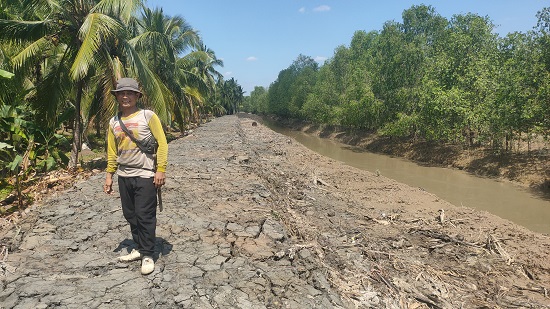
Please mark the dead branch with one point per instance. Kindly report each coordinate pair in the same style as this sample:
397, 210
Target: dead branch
493, 245
443, 237
540, 289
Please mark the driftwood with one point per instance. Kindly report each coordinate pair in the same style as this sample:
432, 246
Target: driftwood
493, 245
319, 181
443, 237
541, 289
379, 221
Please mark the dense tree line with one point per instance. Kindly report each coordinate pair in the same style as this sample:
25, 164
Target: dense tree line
59, 59
427, 78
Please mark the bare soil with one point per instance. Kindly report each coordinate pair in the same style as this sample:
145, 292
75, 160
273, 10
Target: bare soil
253, 219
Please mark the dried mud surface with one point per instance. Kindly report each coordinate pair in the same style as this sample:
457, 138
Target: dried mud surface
252, 219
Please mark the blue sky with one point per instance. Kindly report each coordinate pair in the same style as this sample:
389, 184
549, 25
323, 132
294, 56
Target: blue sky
257, 39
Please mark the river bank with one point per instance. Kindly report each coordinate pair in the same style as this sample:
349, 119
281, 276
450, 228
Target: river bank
525, 167
253, 219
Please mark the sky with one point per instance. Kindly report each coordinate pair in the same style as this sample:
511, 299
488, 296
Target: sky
256, 39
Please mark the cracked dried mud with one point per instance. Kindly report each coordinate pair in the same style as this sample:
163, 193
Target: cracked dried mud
253, 219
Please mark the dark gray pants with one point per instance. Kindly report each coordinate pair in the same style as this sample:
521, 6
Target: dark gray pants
139, 206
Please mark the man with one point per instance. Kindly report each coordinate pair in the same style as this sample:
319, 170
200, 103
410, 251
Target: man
140, 174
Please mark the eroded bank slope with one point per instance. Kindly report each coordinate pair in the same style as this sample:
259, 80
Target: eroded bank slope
252, 219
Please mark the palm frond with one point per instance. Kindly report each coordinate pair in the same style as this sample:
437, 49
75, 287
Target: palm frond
157, 95
155, 39
100, 103
94, 31
18, 30
52, 93
124, 9
32, 52
40, 7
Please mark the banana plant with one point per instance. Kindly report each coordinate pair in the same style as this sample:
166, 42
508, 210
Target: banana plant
10, 159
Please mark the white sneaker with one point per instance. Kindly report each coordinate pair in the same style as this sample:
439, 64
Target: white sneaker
147, 265
133, 256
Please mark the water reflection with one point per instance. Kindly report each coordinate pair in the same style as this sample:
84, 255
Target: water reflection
459, 188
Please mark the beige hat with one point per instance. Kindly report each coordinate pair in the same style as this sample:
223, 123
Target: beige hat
126, 83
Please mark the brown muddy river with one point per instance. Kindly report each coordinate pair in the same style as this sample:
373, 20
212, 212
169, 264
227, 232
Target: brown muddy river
457, 187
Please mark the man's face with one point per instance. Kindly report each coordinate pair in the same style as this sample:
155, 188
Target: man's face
127, 98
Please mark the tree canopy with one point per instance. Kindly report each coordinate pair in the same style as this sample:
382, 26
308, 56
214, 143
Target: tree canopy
426, 77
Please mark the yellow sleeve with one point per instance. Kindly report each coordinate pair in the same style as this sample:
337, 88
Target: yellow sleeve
111, 151
158, 133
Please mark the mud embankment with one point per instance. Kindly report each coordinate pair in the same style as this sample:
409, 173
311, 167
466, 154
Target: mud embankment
252, 219
526, 165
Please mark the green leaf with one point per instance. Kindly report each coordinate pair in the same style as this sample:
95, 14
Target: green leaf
63, 158
14, 165
50, 163
5, 145
6, 74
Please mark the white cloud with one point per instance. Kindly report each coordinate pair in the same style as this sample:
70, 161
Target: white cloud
251, 58
320, 59
228, 73
302, 10
322, 8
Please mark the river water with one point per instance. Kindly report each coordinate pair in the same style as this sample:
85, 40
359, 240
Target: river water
503, 199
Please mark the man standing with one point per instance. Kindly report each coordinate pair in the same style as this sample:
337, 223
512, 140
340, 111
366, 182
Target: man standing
140, 174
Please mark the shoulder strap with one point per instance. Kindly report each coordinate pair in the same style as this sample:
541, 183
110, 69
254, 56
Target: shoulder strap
130, 135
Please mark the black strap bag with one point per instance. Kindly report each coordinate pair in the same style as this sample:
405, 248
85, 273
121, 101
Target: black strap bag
148, 145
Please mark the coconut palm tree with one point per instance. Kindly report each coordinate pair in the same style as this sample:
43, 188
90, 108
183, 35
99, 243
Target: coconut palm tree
231, 96
162, 40
198, 72
76, 50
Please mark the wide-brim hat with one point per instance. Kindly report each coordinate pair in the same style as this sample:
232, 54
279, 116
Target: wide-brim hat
126, 83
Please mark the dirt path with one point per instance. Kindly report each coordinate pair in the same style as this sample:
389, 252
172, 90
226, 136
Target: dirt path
253, 219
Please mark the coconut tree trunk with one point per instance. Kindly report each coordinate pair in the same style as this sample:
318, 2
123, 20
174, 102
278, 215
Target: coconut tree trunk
77, 135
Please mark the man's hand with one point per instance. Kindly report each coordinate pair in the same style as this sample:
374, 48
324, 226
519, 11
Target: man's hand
108, 185
159, 179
